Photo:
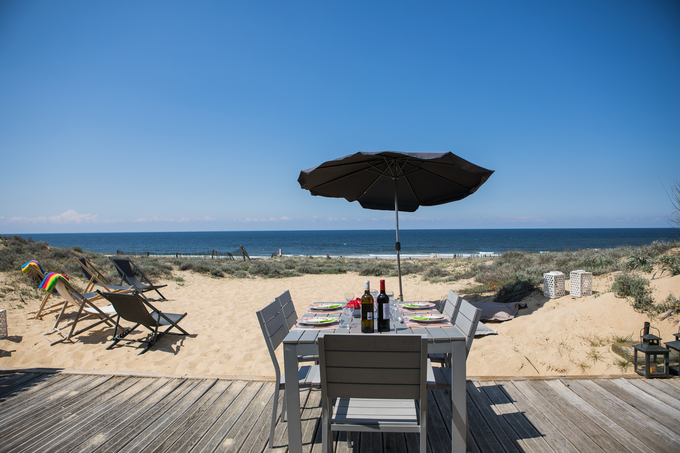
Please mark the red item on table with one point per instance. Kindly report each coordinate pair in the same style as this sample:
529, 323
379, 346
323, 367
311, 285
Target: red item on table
354, 303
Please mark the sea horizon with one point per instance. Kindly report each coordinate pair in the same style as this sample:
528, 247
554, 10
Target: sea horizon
441, 243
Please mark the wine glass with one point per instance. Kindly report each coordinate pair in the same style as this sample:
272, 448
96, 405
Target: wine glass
349, 296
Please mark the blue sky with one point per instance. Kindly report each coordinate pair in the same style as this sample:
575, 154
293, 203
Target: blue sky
199, 116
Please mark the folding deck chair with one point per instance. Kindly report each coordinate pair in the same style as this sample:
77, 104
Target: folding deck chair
34, 270
87, 310
96, 278
124, 266
133, 307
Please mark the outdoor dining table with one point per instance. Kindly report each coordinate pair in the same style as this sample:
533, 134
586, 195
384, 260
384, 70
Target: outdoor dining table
440, 340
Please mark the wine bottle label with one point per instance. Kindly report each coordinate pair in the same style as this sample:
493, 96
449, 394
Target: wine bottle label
369, 315
386, 311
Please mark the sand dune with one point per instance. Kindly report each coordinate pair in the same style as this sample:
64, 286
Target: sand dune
562, 336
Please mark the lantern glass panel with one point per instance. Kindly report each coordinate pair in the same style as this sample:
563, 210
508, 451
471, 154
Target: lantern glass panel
640, 367
674, 360
657, 364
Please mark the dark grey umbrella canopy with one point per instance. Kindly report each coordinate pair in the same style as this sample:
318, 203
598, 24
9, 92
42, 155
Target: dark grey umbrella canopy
422, 179
394, 181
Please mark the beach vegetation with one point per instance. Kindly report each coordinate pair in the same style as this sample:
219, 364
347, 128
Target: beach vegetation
670, 264
594, 355
619, 339
376, 268
636, 289
624, 363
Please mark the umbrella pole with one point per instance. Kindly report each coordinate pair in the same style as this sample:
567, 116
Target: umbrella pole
397, 246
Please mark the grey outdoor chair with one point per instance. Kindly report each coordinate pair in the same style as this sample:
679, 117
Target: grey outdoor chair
450, 310
125, 266
134, 308
374, 383
291, 317
274, 330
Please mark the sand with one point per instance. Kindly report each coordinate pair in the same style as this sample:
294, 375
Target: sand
551, 337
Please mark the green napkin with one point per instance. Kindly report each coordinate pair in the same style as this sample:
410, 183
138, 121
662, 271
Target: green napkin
422, 318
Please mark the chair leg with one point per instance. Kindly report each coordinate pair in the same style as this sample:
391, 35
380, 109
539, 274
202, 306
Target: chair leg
349, 439
274, 412
283, 407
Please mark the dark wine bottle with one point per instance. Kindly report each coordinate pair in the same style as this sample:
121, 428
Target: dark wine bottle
383, 302
367, 309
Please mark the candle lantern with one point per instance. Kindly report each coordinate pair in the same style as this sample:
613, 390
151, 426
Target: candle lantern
649, 357
674, 355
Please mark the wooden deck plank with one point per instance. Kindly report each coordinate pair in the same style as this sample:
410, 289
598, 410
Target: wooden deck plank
622, 413
109, 415
217, 437
58, 413
52, 394
528, 436
139, 426
557, 441
597, 435
504, 433
178, 411
647, 387
644, 402
280, 444
10, 383
28, 389
203, 420
243, 426
629, 441
115, 424
106, 414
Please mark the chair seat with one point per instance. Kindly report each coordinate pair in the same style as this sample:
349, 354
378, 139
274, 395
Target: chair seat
174, 317
109, 310
308, 376
367, 414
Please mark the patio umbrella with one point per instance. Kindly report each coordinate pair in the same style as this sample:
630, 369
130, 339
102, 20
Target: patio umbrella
391, 180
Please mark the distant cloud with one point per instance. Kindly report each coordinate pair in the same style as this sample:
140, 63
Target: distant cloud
64, 218
271, 219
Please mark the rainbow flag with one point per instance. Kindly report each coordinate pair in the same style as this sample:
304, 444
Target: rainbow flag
51, 280
30, 266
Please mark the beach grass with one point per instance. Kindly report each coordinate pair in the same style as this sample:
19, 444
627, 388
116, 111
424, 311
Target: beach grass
511, 276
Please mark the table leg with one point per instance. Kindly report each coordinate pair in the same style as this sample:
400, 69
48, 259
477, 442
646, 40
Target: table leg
290, 366
459, 427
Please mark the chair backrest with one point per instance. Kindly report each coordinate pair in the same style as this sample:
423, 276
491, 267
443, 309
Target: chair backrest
467, 321
69, 294
274, 330
131, 307
84, 267
288, 309
373, 366
451, 306
124, 268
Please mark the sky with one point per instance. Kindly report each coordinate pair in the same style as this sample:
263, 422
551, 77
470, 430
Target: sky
135, 116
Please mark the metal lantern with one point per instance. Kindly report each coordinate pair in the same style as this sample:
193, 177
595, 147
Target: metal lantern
674, 355
649, 357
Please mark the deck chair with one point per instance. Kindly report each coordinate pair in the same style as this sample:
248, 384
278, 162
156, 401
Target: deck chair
86, 311
291, 317
96, 279
274, 329
35, 271
135, 308
467, 320
450, 310
374, 383
124, 266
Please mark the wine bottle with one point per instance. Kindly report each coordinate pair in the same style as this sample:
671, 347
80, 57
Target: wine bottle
383, 302
367, 309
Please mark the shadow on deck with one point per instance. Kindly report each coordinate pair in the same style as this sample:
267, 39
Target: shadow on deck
60, 412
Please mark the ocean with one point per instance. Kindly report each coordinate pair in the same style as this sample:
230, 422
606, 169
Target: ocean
363, 243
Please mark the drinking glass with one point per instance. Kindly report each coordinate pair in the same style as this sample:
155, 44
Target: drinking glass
349, 296
348, 313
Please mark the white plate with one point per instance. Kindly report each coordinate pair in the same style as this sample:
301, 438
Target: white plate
417, 305
326, 306
318, 321
428, 318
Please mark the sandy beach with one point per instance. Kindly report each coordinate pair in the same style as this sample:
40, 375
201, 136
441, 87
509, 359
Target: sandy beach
551, 337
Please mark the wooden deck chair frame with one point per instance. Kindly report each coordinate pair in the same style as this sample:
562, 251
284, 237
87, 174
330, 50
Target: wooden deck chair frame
135, 308
126, 269
87, 310
358, 370
274, 329
97, 279
43, 309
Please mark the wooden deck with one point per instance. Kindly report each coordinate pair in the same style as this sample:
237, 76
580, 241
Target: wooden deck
56, 412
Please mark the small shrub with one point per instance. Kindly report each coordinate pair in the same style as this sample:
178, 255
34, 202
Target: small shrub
240, 274
515, 291
640, 261
636, 290
670, 264
77, 249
